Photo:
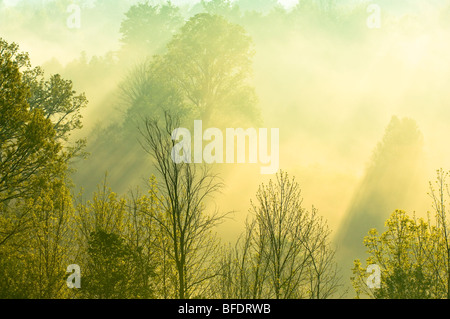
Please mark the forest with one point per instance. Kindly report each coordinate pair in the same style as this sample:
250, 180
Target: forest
347, 99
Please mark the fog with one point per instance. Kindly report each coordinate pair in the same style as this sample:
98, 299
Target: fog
331, 84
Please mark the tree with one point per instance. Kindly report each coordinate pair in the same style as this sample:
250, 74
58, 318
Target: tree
206, 71
281, 225
209, 61
146, 28
404, 253
37, 116
116, 241
243, 271
440, 195
225, 8
188, 243
57, 99
54, 96
111, 268
27, 138
413, 254
285, 251
263, 7
33, 260
149, 90
391, 181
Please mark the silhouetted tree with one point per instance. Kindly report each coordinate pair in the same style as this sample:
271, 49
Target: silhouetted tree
190, 247
285, 251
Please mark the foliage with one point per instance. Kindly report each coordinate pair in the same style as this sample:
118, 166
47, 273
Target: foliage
162, 244
146, 28
204, 74
38, 244
112, 270
37, 117
412, 253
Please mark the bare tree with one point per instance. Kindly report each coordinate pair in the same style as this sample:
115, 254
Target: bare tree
189, 244
324, 280
280, 216
284, 252
243, 270
440, 196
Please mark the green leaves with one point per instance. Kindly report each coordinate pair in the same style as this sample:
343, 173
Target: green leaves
37, 117
209, 61
109, 266
205, 74
147, 28
412, 257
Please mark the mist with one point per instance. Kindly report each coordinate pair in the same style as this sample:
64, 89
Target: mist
362, 112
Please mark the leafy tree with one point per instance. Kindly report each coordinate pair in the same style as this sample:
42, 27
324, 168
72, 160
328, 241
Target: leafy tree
60, 104
55, 96
27, 138
205, 71
37, 116
209, 61
150, 90
147, 28
117, 245
35, 257
110, 269
263, 6
412, 253
225, 8
402, 253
